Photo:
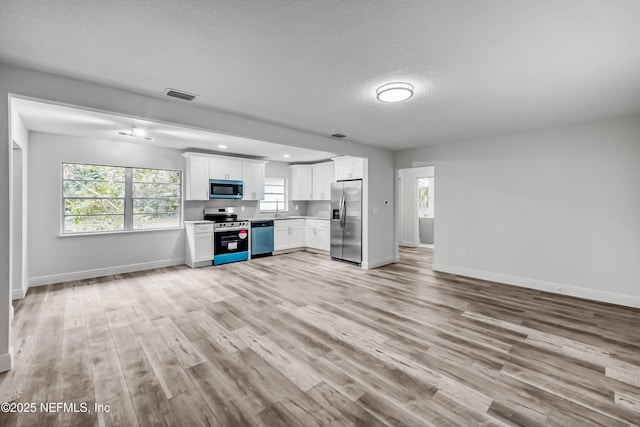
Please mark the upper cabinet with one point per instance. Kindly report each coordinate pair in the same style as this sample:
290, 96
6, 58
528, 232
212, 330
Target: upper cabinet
196, 177
311, 182
347, 167
253, 180
200, 168
225, 168
301, 182
321, 181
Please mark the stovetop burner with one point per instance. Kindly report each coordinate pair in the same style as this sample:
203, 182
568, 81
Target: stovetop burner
224, 218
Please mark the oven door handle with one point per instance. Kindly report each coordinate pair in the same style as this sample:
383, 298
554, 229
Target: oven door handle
222, 229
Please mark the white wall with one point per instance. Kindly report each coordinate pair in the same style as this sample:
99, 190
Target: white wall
53, 258
556, 209
378, 234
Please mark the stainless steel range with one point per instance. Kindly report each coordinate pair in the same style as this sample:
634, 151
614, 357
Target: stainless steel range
230, 236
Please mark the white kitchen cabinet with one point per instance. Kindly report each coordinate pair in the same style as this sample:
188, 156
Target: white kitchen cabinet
199, 243
322, 177
317, 234
347, 167
225, 168
288, 234
296, 238
280, 235
253, 180
196, 178
301, 182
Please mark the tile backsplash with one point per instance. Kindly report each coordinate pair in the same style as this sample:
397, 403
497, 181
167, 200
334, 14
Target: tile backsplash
193, 210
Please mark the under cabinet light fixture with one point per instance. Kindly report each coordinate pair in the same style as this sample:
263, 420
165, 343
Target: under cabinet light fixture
134, 134
394, 92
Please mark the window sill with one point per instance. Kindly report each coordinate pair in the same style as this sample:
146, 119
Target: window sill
112, 233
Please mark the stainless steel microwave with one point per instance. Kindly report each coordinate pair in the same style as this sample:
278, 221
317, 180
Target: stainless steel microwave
225, 189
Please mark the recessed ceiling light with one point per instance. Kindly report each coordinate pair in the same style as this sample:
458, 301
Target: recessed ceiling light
135, 133
222, 146
394, 92
286, 156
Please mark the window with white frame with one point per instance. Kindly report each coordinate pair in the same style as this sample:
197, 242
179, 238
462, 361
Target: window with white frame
100, 198
275, 195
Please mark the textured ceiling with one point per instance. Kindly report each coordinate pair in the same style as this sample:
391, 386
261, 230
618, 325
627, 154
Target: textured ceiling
479, 67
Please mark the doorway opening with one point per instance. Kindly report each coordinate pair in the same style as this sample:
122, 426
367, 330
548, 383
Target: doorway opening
426, 187
416, 225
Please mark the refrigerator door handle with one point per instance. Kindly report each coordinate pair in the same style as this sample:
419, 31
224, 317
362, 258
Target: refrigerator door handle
343, 212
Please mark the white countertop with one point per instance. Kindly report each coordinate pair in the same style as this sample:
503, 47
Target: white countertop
202, 221
301, 217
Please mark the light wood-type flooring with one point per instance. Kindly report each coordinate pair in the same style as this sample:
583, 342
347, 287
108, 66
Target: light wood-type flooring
298, 339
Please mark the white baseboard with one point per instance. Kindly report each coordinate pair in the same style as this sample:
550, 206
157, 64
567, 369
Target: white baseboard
5, 362
541, 285
370, 265
90, 274
397, 258
18, 294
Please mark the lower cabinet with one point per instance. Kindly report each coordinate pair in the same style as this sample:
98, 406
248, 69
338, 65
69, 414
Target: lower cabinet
301, 233
317, 234
288, 234
199, 244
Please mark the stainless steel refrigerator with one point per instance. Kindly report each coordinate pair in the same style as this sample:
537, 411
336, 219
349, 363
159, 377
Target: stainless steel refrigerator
346, 221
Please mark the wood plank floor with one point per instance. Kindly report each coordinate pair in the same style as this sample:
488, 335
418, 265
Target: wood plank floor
298, 339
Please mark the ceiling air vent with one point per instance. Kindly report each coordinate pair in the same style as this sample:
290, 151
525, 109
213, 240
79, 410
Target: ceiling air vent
180, 94
338, 135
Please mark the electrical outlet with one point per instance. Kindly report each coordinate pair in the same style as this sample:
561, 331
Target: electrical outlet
463, 253
296, 207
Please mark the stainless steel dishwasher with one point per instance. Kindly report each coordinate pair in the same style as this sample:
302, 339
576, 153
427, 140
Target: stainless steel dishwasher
261, 238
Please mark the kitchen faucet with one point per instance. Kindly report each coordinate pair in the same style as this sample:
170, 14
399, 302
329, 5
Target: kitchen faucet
277, 213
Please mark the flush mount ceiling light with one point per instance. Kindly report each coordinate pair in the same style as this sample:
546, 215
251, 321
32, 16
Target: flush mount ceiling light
394, 92
286, 156
222, 146
133, 133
